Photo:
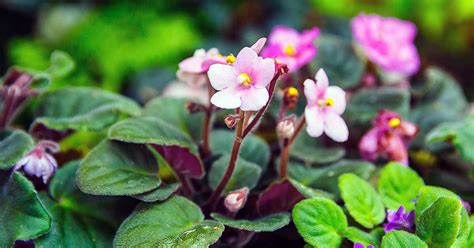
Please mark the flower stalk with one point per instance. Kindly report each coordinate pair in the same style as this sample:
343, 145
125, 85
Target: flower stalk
206, 129
285, 151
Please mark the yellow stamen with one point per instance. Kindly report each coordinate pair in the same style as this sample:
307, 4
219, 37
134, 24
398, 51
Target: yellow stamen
329, 102
394, 122
292, 92
289, 50
230, 59
219, 55
244, 79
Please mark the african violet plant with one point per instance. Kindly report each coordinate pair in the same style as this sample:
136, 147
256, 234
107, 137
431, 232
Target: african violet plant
171, 174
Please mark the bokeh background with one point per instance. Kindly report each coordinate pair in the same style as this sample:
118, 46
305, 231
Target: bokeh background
133, 47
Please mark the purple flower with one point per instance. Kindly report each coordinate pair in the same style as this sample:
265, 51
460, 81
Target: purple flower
290, 47
388, 138
466, 205
38, 162
387, 42
359, 245
400, 220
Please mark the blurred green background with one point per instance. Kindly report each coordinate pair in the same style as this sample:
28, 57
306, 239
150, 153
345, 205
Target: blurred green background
134, 46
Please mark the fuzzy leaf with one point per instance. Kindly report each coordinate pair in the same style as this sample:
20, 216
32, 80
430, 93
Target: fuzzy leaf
116, 168
280, 196
176, 222
402, 239
310, 151
175, 146
308, 192
320, 221
427, 196
358, 236
399, 186
268, 223
22, 215
246, 174
13, 146
160, 194
362, 201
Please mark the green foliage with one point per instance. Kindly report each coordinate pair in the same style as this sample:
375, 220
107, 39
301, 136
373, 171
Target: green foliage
160, 194
358, 236
309, 192
399, 186
13, 146
268, 223
402, 239
23, 216
320, 221
428, 195
176, 222
308, 150
246, 174
362, 201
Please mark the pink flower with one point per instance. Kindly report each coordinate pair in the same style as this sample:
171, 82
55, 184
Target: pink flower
38, 162
192, 70
388, 42
388, 138
290, 47
242, 83
236, 199
324, 106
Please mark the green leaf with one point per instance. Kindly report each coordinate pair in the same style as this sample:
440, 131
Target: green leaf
320, 221
438, 225
460, 134
462, 238
82, 108
165, 138
61, 64
358, 236
246, 174
427, 196
253, 148
13, 146
402, 239
176, 222
308, 192
339, 60
310, 151
362, 201
365, 103
399, 186
470, 239
22, 215
268, 223
115, 168
160, 194
174, 111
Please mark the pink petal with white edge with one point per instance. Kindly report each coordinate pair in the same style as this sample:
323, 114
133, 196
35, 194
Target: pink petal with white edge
254, 99
408, 129
226, 99
335, 127
339, 97
245, 60
258, 46
221, 76
310, 92
322, 82
314, 121
192, 65
263, 72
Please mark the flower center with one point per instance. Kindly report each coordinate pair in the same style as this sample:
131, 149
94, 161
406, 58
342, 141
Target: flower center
394, 122
230, 59
325, 103
289, 50
292, 92
244, 79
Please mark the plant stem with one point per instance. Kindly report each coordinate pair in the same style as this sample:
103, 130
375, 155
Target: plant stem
206, 129
212, 202
7, 105
186, 184
285, 151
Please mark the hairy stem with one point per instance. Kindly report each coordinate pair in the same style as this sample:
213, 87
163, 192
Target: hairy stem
285, 151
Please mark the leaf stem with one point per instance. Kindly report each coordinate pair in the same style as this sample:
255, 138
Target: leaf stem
285, 151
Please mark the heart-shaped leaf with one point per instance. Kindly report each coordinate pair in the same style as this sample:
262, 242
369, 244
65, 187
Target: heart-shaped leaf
402, 239
320, 221
358, 236
160, 194
13, 146
81, 108
268, 223
116, 168
439, 225
176, 222
427, 196
278, 197
22, 215
308, 192
399, 186
173, 145
246, 174
253, 148
362, 201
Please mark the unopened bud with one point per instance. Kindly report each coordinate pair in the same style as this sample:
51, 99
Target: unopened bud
38, 162
236, 200
193, 107
231, 120
290, 97
286, 127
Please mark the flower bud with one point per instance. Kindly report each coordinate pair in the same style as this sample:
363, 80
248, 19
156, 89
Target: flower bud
290, 97
231, 120
38, 162
236, 200
286, 127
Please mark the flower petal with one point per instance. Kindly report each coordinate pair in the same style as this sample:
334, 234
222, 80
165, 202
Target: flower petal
221, 76
310, 92
192, 65
322, 82
227, 99
254, 99
282, 35
315, 121
309, 35
257, 47
368, 145
245, 60
335, 127
339, 97
263, 72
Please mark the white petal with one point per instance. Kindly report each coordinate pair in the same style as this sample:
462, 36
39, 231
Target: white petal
339, 97
245, 60
254, 99
322, 81
310, 92
335, 127
315, 121
221, 76
227, 99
